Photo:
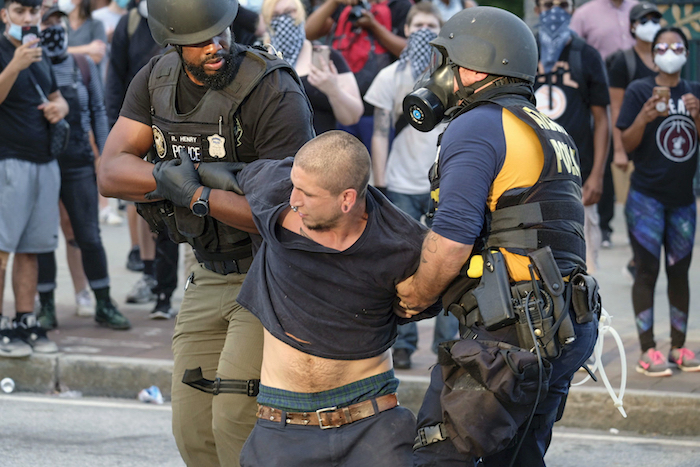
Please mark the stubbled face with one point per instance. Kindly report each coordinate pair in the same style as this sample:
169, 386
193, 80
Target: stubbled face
317, 207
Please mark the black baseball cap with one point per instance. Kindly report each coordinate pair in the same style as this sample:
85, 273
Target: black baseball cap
52, 11
641, 9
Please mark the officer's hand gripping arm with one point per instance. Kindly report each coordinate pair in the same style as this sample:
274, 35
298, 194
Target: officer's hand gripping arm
176, 180
221, 175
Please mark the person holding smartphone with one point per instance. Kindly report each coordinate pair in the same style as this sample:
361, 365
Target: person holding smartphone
327, 79
659, 120
31, 177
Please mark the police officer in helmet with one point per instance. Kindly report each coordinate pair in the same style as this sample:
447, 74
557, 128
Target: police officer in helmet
189, 117
506, 184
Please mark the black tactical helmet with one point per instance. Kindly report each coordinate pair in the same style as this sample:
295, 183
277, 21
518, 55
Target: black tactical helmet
489, 40
188, 22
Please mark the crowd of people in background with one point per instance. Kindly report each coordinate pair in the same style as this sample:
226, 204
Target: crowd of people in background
606, 71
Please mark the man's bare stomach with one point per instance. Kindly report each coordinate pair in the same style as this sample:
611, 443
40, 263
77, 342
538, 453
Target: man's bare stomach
284, 367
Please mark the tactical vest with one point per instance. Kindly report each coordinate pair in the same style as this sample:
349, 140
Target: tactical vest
548, 213
209, 133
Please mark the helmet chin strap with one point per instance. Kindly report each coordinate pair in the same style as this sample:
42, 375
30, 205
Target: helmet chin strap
464, 93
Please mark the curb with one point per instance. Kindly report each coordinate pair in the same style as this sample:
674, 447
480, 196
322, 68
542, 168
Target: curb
663, 413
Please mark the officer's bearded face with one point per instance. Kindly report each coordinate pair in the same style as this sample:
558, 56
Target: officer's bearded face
211, 63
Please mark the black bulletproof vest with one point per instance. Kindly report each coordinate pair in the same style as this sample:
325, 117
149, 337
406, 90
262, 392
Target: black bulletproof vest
548, 213
208, 134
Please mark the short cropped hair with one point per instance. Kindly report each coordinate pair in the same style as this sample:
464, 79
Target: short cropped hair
339, 159
28, 3
268, 7
423, 7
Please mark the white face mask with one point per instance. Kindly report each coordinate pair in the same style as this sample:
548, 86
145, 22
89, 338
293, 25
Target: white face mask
143, 8
670, 62
66, 6
646, 32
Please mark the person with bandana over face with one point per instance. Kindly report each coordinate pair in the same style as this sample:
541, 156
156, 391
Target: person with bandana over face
29, 102
330, 86
400, 172
79, 82
659, 119
505, 182
216, 103
626, 66
572, 90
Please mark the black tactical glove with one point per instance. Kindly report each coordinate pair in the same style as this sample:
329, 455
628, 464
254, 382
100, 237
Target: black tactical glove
221, 175
176, 180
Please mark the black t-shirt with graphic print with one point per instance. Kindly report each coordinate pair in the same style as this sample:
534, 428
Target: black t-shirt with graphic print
568, 107
666, 158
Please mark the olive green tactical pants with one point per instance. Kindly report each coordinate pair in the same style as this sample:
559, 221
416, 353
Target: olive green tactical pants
217, 334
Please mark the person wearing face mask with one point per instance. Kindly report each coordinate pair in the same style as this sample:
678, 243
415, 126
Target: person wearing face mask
571, 89
506, 181
400, 172
330, 86
659, 119
110, 16
78, 79
29, 102
217, 103
626, 66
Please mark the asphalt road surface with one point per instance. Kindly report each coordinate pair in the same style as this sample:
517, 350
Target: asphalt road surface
53, 431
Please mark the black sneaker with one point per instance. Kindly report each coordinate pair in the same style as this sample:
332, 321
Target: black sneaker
402, 359
106, 314
133, 261
163, 310
47, 314
30, 331
605, 238
10, 344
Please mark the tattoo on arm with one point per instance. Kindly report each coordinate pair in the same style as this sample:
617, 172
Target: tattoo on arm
429, 245
382, 122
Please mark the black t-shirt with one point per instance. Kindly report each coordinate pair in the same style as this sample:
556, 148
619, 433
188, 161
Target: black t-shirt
568, 106
618, 74
338, 302
666, 158
324, 120
276, 117
24, 132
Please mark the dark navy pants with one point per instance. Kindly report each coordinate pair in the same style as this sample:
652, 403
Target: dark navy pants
382, 440
538, 436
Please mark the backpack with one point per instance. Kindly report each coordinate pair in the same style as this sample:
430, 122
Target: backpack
576, 66
630, 61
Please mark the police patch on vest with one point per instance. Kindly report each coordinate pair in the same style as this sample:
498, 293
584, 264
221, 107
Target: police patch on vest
159, 141
190, 143
216, 146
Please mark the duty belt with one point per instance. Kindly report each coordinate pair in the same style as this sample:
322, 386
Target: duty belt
229, 266
330, 417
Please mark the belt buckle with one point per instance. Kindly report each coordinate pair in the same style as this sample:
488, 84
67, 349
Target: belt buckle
320, 420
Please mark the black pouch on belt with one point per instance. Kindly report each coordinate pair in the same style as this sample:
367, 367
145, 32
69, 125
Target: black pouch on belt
490, 389
585, 298
188, 224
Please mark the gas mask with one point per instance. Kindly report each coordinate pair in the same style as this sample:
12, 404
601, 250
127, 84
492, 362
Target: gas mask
432, 95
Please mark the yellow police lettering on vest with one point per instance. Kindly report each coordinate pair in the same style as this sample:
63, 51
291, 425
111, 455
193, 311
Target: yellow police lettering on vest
543, 121
567, 155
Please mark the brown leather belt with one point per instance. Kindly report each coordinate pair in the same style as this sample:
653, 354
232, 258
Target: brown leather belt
331, 417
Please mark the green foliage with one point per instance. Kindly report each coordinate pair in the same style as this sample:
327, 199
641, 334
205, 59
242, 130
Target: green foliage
514, 6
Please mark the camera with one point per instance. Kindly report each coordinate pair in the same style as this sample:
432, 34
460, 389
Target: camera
356, 11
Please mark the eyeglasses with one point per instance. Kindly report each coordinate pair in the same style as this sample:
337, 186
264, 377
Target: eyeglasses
646, 19
549, 5
677, 47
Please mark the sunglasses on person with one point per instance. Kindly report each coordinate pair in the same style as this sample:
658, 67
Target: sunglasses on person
653, 19
550, 5
677, 47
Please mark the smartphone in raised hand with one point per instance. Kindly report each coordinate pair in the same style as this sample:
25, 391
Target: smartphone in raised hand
30, 33
319, 55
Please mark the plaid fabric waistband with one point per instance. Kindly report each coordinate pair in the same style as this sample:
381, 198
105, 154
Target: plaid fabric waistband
368, 388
